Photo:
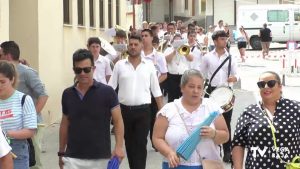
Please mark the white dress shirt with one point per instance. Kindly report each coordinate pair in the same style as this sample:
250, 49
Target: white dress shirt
159, 61
179, 63
210, 63
135, 85
177, 130
197, 57
102, 70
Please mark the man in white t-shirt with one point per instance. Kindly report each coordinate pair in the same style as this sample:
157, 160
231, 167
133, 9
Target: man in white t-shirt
6, 161
103, 70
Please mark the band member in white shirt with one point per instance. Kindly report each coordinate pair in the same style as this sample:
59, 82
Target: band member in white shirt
210, 62
103, 70
159, 62
176, 64
136, 78
195, 50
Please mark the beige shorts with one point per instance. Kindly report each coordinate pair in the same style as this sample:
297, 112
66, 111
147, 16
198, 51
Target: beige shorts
76, 163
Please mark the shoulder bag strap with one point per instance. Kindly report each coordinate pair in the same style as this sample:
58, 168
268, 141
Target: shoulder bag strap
272, 131
216, 71
178, 111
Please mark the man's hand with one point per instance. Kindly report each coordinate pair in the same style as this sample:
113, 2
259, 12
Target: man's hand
232, 79
119, 152
60, 162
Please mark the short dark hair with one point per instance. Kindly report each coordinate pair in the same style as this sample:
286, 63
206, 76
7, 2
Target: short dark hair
9, 71
171, 24
191, 32
149, 31
218, 34
121, 34
136, 37
155, 40
82, 54
93, 40
11, 47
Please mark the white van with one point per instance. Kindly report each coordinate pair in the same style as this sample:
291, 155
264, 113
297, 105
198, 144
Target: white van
283, 20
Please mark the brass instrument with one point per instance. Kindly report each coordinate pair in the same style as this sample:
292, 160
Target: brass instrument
184, 50
201, 47
165, 42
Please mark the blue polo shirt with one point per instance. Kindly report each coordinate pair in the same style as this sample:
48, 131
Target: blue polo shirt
89, 121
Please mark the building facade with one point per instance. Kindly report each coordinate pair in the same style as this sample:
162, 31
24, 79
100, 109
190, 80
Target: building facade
49, 31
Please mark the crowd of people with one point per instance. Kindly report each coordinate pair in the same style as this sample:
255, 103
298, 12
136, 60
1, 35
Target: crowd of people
126, 89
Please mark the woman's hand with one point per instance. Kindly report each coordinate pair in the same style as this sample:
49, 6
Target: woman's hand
208, 132
173, 159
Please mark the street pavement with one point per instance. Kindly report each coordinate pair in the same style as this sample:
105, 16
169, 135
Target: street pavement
245, 91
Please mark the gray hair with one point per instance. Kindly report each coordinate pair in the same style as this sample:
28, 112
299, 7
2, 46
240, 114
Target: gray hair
188, 74
277, 77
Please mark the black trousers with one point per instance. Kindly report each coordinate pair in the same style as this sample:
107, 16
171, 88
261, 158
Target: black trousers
136, 126
174, 91
154, 109
227, 116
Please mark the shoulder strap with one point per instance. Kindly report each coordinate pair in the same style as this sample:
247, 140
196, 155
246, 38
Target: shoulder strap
216, 71
23, 100
273, 130
229, 66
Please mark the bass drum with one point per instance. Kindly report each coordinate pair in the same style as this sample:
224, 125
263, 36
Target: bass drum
224, 97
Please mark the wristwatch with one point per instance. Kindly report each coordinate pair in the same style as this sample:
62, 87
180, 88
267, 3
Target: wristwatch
60, 154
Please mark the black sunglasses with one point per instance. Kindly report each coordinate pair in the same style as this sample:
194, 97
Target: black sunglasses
270, 83
78, 70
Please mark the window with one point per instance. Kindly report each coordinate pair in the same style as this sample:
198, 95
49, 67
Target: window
297, 15
118, 12
67, 12
186, 4
203, 6
101, 13
110, 13
91, 4
278, 15
80, 11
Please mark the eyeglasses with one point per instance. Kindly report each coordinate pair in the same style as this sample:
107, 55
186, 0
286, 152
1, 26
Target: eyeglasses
270, 83
78, 70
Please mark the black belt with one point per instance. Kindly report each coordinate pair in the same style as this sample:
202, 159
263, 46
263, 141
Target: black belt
142, 106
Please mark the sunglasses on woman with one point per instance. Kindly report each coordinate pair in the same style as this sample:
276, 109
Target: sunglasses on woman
78, 70
270, 83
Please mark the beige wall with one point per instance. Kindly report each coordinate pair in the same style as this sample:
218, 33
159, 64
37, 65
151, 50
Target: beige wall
23, 28
4, 20
37, 26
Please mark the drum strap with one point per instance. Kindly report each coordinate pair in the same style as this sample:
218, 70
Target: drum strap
229, 69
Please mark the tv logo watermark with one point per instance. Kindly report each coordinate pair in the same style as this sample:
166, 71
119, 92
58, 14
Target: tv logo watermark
282, 152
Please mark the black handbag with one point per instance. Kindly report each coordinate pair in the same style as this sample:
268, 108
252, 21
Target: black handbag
31, 151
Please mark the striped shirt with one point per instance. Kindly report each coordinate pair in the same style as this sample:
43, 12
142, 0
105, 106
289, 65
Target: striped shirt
15, 117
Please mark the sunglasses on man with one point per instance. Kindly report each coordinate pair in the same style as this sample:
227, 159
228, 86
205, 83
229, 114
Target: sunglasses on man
270, 83
78, 70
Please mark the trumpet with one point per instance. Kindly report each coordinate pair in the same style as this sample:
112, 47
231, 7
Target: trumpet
201, 47
184, 50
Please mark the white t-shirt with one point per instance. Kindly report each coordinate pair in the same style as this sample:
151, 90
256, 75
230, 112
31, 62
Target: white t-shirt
15, 117
4, 147
176, 132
